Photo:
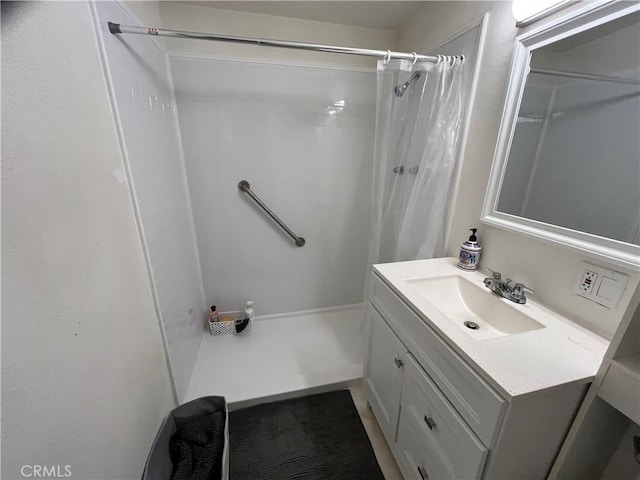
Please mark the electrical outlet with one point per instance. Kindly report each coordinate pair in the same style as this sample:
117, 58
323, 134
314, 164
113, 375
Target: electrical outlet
588, 280
600, 285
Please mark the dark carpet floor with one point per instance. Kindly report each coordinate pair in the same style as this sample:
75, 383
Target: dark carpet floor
319, 437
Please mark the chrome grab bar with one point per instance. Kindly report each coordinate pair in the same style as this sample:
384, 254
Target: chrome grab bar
246, 188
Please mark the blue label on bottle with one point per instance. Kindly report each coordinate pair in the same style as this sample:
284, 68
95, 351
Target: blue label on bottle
468, 260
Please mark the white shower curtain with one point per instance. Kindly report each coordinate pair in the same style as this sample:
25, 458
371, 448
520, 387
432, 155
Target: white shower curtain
418, 135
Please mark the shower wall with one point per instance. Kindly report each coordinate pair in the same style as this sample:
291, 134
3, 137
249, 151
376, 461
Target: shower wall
302, 137
146, 112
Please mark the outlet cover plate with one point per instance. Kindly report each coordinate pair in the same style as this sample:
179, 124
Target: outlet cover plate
600, 284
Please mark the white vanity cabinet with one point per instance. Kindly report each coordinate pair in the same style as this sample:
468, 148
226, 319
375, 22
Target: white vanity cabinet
443, 418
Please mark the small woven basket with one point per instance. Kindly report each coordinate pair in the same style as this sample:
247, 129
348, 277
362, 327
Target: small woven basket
227, 323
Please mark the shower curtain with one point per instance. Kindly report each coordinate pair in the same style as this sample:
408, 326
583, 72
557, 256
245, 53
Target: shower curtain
416, 145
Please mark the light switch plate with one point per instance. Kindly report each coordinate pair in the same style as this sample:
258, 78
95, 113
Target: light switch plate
600, 285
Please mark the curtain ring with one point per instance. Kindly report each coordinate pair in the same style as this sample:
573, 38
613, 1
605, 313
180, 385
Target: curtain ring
415, 58
387, 59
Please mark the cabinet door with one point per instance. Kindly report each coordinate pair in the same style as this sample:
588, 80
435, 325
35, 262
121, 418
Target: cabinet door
383, 375
433, 440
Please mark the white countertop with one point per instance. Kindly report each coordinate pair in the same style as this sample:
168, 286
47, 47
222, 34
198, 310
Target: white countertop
562, 352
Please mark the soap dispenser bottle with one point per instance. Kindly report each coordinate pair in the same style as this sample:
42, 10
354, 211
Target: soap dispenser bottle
248, 311
248, 318
470, 252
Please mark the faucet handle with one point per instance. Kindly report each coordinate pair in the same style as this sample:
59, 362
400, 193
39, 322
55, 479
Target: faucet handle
494, 274
520, 288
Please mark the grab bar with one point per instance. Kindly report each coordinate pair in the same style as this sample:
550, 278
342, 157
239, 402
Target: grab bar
246, 188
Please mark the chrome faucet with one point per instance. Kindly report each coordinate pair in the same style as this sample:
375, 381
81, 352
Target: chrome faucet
515, 292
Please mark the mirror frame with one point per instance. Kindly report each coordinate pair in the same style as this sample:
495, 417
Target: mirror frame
590, 15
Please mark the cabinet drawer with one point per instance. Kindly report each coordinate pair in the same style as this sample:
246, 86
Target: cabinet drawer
478, 403
432, 434
411, 453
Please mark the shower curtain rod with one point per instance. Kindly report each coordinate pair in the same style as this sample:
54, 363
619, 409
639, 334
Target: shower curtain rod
117, 28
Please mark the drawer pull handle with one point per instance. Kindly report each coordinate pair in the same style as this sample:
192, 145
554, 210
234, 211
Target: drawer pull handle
398, 362
423, 473
429, 421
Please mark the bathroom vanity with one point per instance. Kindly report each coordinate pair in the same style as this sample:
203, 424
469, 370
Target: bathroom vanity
456, 402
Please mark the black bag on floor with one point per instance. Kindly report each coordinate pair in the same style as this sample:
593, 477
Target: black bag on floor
190, 444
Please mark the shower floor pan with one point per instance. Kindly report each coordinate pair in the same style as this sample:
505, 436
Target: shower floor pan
285, 355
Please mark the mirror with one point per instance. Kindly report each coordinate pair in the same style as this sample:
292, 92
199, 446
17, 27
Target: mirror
567, 165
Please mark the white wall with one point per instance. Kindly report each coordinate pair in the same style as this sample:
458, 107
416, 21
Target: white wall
205, 19
548, 269
84, 374
283, 129
147, 114
146, 12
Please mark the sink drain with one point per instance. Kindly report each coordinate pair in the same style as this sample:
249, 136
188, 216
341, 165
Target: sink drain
472, 325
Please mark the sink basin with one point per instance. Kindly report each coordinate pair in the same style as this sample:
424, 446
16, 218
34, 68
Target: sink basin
463, 302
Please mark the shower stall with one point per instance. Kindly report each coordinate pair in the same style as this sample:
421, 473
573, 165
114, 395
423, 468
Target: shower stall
213, 144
